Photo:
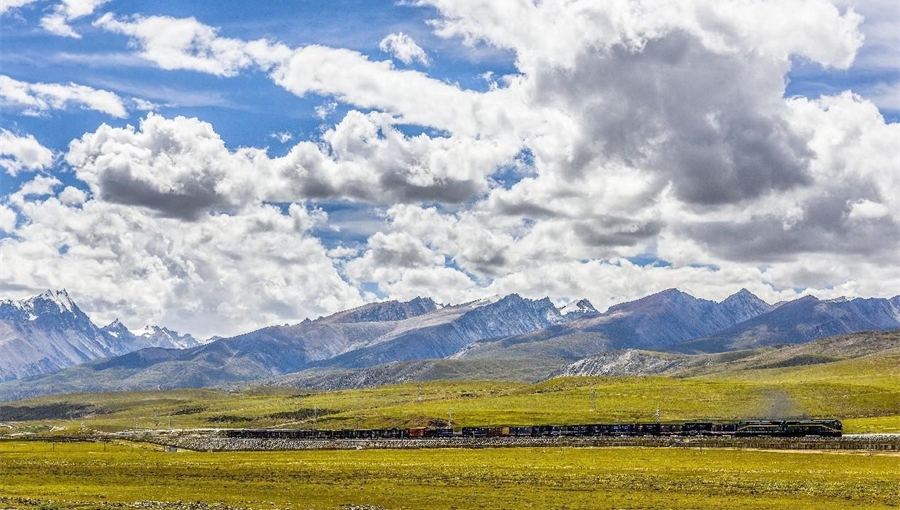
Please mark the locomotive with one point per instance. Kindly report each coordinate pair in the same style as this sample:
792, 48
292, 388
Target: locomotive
752, 428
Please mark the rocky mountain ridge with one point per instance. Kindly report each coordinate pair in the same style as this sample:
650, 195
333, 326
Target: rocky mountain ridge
353, 344
49, 332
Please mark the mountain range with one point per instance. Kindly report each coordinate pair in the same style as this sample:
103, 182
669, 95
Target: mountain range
48, 345
48, 332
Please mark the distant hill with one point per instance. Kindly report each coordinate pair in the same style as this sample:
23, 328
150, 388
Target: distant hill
520, 369
801, 321
840, 348
654, 322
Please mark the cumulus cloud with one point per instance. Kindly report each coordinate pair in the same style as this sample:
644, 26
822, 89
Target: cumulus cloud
41, 185
181, 168
8, 219
389, 256
41, 98
852, 206
18, 153
57, 22
72, 196
193, 277
630, 132
403, 48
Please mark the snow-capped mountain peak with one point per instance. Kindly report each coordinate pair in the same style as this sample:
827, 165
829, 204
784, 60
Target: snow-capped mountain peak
115, 329
60, 298
148, 336
578, 308
47, 301
485, 301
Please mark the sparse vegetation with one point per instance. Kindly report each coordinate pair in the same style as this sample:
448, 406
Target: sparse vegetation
864, 392
94, 475
865, 403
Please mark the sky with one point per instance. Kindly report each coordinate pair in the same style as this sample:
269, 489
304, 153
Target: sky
216, 167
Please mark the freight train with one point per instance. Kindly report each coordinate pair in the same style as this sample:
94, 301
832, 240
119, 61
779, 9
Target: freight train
754, 428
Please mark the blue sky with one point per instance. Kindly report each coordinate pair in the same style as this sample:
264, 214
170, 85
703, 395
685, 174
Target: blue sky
217, 167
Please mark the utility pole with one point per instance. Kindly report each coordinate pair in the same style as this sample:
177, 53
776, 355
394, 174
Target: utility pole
593, 399
657, 414
450, 421
419, 393
315, 417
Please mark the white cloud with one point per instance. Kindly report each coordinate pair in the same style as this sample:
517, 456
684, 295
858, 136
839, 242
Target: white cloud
19, 153
8, 219
632, 130
554, 33
72, 196
57, 22
403, 48
181, 168
864, 209
39, 186
178, 167
41, 98
174, 43
879, 26
352, 78
9, 5
283, 136
144, 105
388, 256
189, 276
346, 75
324, 110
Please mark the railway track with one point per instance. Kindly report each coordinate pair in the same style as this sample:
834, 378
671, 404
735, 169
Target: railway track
216, 442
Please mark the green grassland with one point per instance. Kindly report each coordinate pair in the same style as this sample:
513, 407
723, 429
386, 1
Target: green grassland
94, 475
864, 407
862, 388
864, 392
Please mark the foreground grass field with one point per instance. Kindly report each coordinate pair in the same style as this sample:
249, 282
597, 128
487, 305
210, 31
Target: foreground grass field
93, 475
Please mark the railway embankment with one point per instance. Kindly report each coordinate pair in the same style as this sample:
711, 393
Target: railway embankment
214, 442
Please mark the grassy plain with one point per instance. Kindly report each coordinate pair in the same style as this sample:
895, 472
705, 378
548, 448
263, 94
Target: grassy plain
94, 475
864, 391
865, 406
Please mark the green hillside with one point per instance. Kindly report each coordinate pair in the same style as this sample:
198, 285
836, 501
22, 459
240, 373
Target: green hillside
855, 378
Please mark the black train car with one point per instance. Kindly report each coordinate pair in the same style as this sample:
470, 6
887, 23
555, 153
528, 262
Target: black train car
645, 429
474, 431
442, 432
391, 433
621, 429
521, 431
671, 429
828, 428
790, 428
696, 428
486, 432
575, 430
545, 430
723, 429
